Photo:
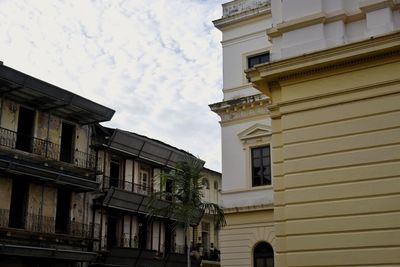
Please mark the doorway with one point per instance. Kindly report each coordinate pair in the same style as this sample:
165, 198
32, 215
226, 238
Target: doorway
63, 210
142, 233
112, 227
19, 197
67, 142
26, 119
115, 173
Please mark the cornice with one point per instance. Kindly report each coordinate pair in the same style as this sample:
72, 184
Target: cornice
249, 208
338, 15
240, 108
225, 22
271, 74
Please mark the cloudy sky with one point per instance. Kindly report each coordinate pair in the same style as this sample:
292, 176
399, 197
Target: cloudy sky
158, 63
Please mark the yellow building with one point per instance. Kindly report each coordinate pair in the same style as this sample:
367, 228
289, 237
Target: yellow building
329, 74
335, 106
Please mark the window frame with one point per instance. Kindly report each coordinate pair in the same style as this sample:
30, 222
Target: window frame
258, 57
267, 257
269, 165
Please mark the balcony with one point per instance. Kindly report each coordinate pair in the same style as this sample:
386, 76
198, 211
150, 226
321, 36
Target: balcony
131, 197
45, 149
43, 226
119, 256
109, 182
38, 236
46, 161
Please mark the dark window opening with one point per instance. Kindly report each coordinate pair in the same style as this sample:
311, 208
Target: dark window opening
142, 233
26, 119
257, 59
216, 185
263, 255
168, 189
169, 237
19, 197
112, 226
67, 142
63, 210
205, 183
261, 166
114, 173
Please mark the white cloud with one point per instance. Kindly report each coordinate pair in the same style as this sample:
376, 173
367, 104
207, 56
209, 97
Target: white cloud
157, 63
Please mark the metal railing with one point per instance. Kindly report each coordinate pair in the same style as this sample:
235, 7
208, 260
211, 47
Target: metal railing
44, 148
43, 224
109, 182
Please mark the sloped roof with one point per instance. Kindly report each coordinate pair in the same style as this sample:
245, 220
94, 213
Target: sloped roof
145, 148
25, 89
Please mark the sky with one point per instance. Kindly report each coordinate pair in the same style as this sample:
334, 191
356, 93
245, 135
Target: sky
157, 63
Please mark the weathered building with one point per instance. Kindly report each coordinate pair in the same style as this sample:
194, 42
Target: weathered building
47, 172
131, 166
75, 193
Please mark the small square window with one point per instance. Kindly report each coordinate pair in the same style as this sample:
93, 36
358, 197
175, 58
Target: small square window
257, 59
261, 166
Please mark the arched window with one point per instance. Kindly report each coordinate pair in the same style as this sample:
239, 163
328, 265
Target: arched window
263, 255
205, 183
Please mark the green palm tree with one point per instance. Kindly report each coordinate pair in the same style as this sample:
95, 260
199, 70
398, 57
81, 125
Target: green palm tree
187, 206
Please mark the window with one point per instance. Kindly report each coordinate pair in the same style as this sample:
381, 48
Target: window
263, 255
26, 118
215, 185
257, 59
205, 184
261, 166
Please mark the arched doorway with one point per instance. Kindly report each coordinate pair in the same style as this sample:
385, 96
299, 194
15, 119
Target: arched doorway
263, 255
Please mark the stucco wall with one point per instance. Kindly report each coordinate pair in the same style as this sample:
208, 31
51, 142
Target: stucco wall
243, 232
336, 168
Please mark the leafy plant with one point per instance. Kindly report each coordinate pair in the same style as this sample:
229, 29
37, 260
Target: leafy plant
186, 205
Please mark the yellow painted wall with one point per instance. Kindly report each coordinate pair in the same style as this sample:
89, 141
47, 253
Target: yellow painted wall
336, 164
243, 231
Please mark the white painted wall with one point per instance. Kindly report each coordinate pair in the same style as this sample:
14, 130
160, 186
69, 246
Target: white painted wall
234, 174
237, 43
240, 40
328, 34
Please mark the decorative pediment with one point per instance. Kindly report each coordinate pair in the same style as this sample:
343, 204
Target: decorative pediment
258, 130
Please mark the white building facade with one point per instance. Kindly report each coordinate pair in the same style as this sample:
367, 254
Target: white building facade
247, 193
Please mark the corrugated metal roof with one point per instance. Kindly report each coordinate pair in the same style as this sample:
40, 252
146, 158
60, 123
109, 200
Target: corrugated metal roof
147, 148
25, 89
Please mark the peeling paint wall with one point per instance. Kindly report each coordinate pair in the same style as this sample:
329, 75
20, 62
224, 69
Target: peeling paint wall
77, 207
50, 201
82, 138
9, 115
34, 199
5, 192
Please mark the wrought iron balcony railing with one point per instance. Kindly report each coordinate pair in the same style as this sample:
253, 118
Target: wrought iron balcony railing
43, 224
109, 182
44, 148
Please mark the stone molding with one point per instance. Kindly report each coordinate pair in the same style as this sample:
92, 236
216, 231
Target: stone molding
375, 49
245, 16
338, 15
243, 107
